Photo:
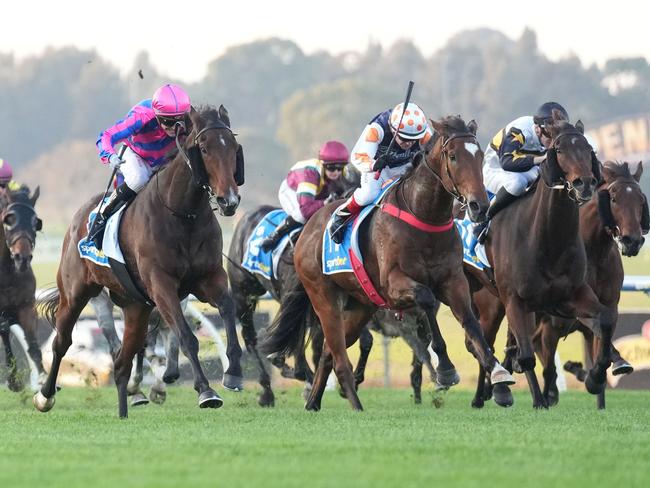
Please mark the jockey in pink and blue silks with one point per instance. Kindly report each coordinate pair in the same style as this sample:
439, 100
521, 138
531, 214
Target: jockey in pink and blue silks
148, 131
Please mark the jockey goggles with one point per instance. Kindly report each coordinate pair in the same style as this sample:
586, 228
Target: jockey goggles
170, 121
335, 167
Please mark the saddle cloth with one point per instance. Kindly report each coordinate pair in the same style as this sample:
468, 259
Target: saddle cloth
258, 261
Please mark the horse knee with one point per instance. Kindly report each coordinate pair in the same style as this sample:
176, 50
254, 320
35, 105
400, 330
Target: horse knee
526, 363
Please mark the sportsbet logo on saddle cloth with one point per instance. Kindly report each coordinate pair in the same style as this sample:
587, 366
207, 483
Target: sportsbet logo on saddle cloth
256, 260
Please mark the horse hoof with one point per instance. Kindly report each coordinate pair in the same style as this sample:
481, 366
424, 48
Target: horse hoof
622, 367
306, 391
171, 378
417, 398
477, 403
311, 407
210, 399
42, 403
553, 398
448, 378
139, 399
157, 396
502, 395
267, 399
233, 383
15, 385
501, 376
594, 386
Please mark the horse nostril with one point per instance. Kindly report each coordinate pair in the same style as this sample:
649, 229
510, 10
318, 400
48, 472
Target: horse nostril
578, 183
474, 207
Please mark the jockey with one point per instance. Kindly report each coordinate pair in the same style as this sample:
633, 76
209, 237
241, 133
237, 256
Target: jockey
148, 132
306, 188
379, 161
511, 161
6, 177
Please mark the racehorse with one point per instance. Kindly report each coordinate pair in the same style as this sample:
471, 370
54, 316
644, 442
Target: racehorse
616, 218
408, 266
17, 304
172, 245
539, 262
247, 287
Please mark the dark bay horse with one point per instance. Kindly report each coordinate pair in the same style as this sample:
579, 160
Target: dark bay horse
247, 288
615, 219
539, 261
172, 245
408, 266
17, 283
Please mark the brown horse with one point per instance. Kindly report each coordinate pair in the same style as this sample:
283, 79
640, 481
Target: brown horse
407, 265
172, 245
615, 219
539, 261
17, 282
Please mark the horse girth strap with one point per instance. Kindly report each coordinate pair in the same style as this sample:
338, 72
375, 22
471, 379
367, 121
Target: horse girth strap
413, 221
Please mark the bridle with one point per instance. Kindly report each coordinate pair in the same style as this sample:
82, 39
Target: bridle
444, 152
13, 237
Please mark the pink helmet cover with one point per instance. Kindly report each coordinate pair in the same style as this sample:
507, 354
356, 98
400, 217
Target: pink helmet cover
6, 172
170, 100
333, 152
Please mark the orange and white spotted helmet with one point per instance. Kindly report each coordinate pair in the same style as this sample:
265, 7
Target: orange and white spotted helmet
414, 124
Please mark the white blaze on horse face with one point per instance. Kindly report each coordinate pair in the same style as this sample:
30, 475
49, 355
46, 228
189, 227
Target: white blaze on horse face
223, 141
472, 148
628, 189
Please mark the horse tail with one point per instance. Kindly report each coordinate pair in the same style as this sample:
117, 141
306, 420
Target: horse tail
48, 304
286, 334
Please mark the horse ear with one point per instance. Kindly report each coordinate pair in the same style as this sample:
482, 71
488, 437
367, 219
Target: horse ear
437, 126
472, 126
35, 195
639, 171
194, 117
223, 115
607, 172
580, 127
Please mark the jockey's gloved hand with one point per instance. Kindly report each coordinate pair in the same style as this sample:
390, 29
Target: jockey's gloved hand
380, 163
115, 161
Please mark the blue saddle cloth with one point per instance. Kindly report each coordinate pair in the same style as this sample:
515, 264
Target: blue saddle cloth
336, 256
86, 248
257, 260
473, 252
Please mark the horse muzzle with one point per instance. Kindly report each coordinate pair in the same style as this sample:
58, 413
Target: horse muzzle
582, 189
22, 262
477, 210
228, 205
630, 246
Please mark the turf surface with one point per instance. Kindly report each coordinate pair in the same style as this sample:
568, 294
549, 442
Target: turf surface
393, 443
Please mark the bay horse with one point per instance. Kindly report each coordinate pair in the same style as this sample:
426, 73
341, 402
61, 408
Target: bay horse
408, 266
172, 245
616, 218
247, 288
17, 282
539, 261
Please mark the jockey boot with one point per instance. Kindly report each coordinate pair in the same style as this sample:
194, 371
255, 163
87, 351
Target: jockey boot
502, 199
342, 216
121, 196
286, 226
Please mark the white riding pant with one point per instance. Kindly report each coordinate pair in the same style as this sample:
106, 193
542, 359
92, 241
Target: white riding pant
515, 183
289, 202
136, 171
371, 186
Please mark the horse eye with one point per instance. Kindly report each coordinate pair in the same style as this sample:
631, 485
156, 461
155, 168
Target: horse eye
204, 150
10, 220
612, 199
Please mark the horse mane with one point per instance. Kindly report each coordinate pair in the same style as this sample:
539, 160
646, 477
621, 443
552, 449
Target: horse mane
620, 169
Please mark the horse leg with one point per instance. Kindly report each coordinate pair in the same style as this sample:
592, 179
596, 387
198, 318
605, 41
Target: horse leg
233, 377
135, 382
172, 371
158, 392
365, 346
135, 332
13, 381
323, 371
416, 379
522, 325
67, 313
545, 340
586, 304
491, 313
28, 321
166, 299
103, 307
446, 374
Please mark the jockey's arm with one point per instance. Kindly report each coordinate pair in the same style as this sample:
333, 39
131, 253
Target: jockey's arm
363, 152
511, 155
306, 191
122, 130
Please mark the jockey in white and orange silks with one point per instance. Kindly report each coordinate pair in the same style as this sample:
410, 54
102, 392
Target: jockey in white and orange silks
377, 164
148, 132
